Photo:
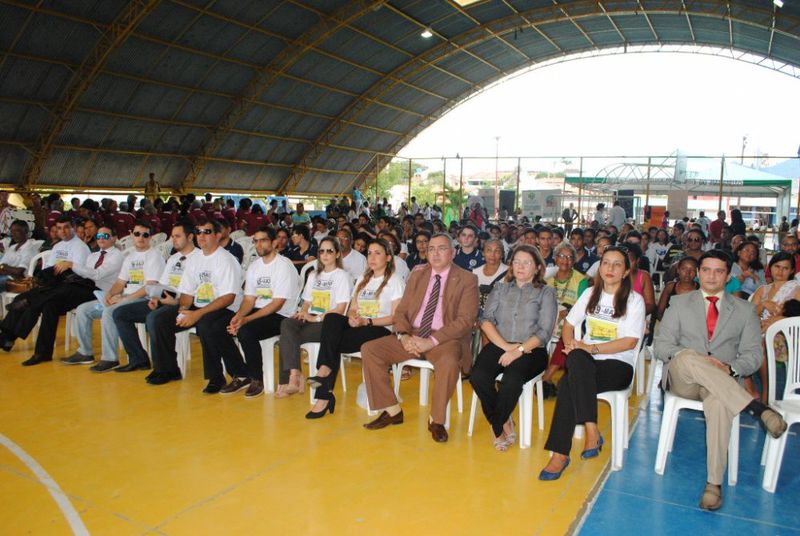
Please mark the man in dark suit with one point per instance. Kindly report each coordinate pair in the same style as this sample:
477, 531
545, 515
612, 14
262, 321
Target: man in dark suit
709, 340
433, 321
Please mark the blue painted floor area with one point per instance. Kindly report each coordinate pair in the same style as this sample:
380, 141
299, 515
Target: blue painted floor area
638, 501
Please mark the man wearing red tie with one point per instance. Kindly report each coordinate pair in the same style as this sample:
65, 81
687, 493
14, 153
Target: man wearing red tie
709, 340
433, 321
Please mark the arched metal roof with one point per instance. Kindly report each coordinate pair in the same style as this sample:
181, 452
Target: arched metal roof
291, 96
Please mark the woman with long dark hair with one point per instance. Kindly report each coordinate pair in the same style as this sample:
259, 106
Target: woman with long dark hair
747, 268
369, 317
602, 359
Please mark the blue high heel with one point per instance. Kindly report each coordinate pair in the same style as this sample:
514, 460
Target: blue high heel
547, 475
593, 453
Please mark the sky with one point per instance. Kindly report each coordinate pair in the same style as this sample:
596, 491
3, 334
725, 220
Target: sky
625, 105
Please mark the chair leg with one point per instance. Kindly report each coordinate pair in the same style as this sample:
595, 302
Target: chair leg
733, 453
460, 394
344, 376
540, 404
667, 415
424, 377
774, 461
447, 417
268, 359
473, 409
527, 423
640, 375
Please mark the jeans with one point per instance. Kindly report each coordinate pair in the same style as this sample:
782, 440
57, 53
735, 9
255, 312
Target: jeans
89, 311
126, 317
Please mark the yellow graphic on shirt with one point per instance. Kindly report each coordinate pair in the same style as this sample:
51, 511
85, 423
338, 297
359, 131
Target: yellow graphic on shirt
368, 308
175, 280
205, 293
320, 301
601, 330
264, 292
136, 277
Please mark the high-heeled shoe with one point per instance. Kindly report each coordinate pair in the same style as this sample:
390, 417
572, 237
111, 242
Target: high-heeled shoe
315, 381
554, 475
593, 452
511, 437
329, 408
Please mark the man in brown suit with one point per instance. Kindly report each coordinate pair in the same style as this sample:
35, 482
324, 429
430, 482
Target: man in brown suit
434, 322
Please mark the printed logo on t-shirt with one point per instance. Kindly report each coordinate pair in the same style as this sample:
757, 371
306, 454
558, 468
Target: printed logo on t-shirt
205, 291
601, 324
264, 287
136, 272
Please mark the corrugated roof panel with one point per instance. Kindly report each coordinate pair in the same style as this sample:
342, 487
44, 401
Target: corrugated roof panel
86, 130
350, 136
749, 37
187, 141
182, 67
116, 170
11, 20
32, 80
486, 12
12, 163
671, 28
228, 78
268, 179
439, 83
204, 108
20, 122
602, 31
257, 48
109, 93
64, 167
784, 48
565, 34
169, 171
225, 174
135, 56
254, 116
427, 12
290, 20
391, 27
635, 28
324, 70
712, 31
155, 101
240, 146
212, 35
99, 10
167, 21
52, 36
361, 49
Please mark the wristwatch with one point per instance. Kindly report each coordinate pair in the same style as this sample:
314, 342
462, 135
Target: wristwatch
733, 373
521, 349
369, 321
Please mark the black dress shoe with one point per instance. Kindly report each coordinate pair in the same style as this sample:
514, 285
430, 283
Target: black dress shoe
7, 344
130, 367
35, 360
213, 388
104, 366
160, 378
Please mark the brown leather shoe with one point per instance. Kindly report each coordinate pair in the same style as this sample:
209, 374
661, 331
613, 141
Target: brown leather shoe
712, 497
773, 423
438, 432
384, 420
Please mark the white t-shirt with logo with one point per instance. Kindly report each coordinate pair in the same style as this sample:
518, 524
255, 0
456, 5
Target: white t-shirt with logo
278, 279
326, 290
21, 258
601, 327
208, 277
173, 272
139, 267
372, 306
74, 250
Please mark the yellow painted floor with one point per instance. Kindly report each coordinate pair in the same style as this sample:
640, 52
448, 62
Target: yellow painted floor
141, 459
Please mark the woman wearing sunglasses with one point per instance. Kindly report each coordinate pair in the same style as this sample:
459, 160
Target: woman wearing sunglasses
602, 359
369, 317
327, 290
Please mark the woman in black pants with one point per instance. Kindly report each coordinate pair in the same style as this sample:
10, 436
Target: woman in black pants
518, 320
601, 360
376, 296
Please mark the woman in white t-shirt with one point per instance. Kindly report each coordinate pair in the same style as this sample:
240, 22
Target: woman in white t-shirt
601, 360
327, 290
375, 298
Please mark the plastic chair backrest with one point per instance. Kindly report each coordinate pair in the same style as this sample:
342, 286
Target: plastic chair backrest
790, 327
158, 238
245, 241
303, 276
237, 234
165, 248
43, 256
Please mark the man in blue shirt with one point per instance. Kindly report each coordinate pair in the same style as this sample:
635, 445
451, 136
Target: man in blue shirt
469, 256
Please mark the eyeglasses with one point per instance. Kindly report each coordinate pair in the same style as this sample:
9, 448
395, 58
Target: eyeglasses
102, 236
564, 256
205, 231
695, 239
137, 234
521, 263
440, 249
328, 251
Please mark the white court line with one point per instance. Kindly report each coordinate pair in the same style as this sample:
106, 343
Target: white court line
74, 520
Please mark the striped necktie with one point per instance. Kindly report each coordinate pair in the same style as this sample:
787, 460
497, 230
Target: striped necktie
430, 309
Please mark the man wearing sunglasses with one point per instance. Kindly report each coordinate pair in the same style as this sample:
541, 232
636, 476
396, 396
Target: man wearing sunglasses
211, 291
141, 266
69, 258
160, 308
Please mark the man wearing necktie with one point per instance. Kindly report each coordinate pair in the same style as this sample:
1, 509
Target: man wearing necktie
709, 340
433, 321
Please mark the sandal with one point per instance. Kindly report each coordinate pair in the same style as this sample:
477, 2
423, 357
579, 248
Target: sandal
511, 437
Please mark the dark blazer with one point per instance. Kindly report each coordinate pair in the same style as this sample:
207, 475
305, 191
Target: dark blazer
460, 308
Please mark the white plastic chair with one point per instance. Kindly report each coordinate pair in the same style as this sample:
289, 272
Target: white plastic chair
164, 248
268, 358
237, 234
425, 369
245, 241
184, 349
525, 410
789, 405
669, 422
157, 239
8, 297
303, 271
124, 242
